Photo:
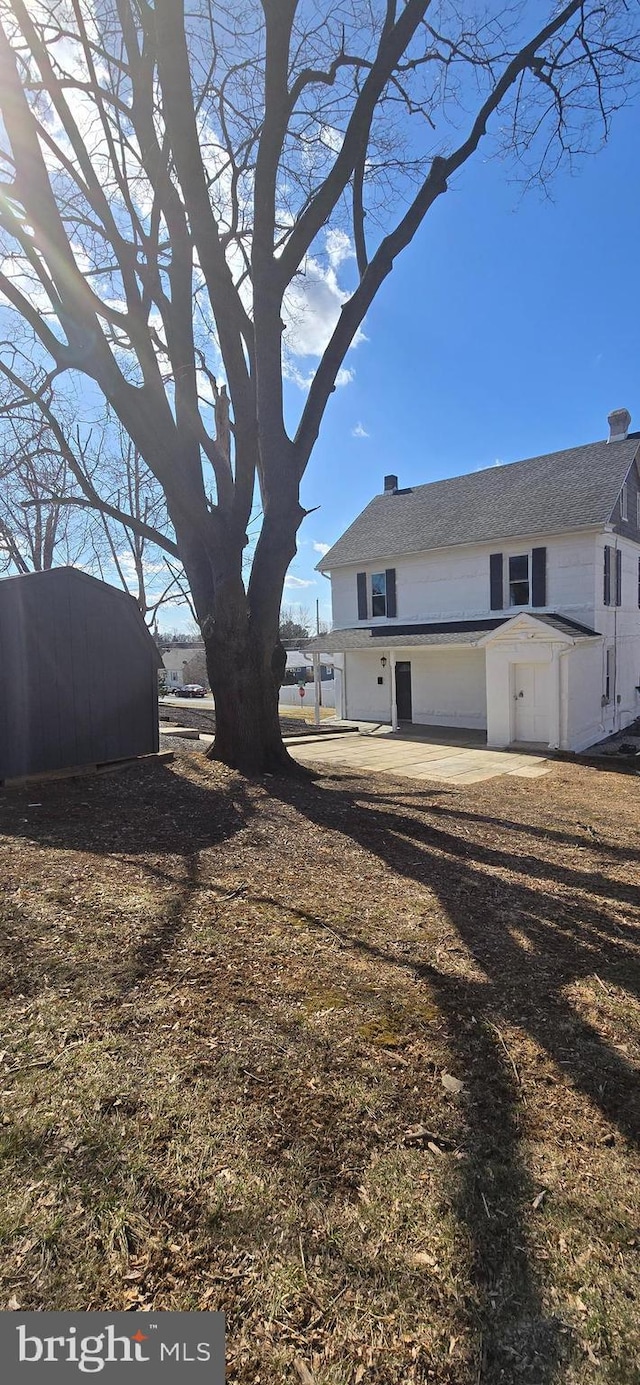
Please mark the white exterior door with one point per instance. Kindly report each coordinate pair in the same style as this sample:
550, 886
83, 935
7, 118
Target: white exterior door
531, 702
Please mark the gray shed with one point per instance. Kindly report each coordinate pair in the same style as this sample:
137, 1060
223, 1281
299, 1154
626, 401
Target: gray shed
78, 674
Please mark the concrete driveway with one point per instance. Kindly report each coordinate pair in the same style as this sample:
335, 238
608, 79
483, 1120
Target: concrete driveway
435, 754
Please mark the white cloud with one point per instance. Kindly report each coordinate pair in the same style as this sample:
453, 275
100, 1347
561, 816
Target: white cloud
291, 581
339, 247
322, 548
312, 306
359, 431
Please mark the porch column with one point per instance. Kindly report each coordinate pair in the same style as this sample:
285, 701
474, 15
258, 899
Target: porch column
554, 717
316, 689
392, 675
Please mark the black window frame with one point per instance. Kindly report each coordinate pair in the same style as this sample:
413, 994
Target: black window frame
618, 578
606, 594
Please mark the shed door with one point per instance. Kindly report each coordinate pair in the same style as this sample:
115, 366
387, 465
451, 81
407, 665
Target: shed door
403, 691
531, 702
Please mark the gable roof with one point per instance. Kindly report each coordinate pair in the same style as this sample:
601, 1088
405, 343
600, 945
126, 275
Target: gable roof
60, 579
575, 489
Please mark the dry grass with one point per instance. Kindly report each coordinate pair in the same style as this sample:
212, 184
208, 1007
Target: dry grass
306, 712
227, 1012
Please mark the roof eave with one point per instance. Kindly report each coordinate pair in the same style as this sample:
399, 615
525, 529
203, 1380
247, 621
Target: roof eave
467, 543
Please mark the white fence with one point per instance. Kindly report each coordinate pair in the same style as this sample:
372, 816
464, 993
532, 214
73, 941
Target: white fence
290, 697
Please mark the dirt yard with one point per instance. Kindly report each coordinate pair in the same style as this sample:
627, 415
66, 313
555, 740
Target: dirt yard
353, 1060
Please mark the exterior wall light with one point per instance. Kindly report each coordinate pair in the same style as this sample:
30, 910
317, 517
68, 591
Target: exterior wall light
383, 661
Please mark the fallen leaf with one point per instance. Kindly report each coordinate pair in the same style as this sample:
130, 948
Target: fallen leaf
422, 1257
435, 1149
417, 1133
580, 1304
303, 1372
360, 1374
538, 1199
451, 1084
13, 1305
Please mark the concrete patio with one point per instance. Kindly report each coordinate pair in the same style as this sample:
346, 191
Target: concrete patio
432, 753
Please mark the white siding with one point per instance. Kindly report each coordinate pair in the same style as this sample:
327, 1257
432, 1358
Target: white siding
621, 628
582, 713
453, 583
366, 699
447, 686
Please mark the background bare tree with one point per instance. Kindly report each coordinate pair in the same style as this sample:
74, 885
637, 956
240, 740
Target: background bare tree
80, 497
170, 184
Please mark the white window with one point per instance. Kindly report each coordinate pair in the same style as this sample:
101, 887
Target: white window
379, 594
624, 502
519, 580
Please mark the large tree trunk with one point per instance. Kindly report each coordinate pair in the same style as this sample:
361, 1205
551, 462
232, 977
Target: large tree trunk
245, 659
245, 671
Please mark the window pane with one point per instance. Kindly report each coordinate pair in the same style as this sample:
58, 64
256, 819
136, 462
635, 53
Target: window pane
379, 584
519, 568
378, 605
519, 593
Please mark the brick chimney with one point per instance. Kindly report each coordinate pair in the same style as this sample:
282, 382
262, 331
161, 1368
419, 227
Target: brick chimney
619, 421
390, 485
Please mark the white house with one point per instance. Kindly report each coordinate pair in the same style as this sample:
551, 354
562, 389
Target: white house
176, 659
505, 600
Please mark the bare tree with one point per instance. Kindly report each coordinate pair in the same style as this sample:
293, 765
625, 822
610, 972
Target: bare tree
167, 182
73, 496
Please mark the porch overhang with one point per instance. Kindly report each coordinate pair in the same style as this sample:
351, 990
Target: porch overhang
525, 625
453, 633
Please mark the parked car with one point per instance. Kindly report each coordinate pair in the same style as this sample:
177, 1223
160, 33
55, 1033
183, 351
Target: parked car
192, 690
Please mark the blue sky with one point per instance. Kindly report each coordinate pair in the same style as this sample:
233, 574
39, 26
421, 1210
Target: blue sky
508, 329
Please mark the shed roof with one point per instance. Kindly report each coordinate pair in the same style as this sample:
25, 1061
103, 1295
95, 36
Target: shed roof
574, 489
61, 577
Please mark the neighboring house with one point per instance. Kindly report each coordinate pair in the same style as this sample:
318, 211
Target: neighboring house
300, 666
62, 633
176, 660
505, 600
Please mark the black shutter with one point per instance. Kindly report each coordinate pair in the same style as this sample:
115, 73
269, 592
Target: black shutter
538, 577
390, 575
607, 575
362, 595
495, 582
618, 553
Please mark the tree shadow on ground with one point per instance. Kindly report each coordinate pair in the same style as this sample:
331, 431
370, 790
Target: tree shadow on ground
531, 931
140, 819
531, 928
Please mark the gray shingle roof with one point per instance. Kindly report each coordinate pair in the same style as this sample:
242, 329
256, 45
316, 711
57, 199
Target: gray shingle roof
575, 489
446, 632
